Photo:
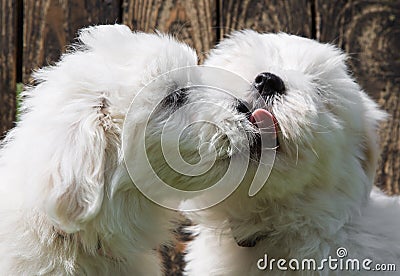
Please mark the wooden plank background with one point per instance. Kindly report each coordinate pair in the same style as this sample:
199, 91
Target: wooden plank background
35, 32
8, 64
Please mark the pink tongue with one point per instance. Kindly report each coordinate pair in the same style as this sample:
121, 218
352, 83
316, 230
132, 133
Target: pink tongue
264, 120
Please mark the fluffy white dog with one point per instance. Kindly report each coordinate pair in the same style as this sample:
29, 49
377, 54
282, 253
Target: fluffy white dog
318, 201
67, 203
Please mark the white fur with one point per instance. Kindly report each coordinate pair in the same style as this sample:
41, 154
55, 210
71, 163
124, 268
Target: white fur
318, 197
67, 203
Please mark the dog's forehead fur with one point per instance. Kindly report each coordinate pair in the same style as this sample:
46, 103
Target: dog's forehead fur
275, 52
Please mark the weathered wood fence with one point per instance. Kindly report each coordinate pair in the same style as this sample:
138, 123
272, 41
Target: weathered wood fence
35, 33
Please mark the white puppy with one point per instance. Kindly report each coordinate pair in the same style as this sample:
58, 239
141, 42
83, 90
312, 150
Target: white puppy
67, 203
318, 196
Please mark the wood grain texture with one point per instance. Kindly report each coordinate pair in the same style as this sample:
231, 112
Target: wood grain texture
8, 64
190, 21
266, 16
370, 32
49, 25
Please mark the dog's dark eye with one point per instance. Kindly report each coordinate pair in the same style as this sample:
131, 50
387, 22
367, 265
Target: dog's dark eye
242, 108
175, 99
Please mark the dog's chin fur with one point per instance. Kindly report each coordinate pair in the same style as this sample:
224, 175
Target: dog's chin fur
67, 203
318, 197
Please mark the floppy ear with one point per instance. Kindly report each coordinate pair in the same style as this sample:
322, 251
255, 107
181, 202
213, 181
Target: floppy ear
70, 109
75, 177
371, 149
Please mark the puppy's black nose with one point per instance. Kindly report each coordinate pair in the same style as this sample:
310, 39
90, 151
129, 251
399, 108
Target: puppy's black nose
268, 84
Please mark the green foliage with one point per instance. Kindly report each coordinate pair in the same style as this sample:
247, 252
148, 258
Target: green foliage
19, 89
